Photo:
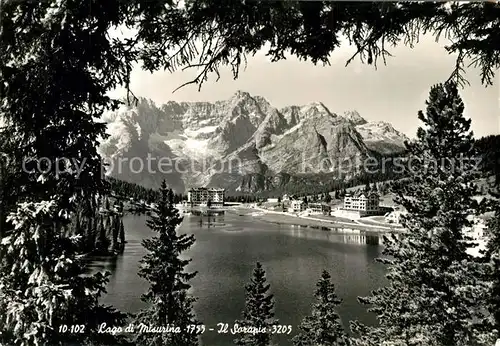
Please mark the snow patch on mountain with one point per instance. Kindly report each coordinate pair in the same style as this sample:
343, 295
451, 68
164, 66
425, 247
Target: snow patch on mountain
380, 131
382, 137
201, 130
354, 117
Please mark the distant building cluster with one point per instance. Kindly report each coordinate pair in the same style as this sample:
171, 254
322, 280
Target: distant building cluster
203, 196
298, 206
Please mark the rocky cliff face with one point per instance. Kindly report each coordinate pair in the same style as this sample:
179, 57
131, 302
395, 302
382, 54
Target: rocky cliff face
242, 144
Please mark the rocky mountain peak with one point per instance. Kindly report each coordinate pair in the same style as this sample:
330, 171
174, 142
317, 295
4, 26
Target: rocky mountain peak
384, 127
245, 132
354, 117
315, 109
239, 94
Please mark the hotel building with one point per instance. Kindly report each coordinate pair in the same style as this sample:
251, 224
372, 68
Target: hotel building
364, 203
201, 195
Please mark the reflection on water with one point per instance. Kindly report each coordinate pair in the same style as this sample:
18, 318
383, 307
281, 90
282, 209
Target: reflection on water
346, 238
224, 257
208, 218
208, 212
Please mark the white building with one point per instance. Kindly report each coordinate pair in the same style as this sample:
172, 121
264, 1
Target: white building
365, 203
272, 200
202, 196
478, 229
297, 206
394, 216
320, 208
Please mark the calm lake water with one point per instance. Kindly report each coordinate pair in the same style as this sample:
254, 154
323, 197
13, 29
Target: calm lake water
225, 255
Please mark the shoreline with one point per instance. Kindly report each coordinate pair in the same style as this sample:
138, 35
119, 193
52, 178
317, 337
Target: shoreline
282, 218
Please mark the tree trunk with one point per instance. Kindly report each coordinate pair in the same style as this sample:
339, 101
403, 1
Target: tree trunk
122, 232
2, 199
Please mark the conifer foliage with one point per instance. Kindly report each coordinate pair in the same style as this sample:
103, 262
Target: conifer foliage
323, 327
53, 90
43, 285
436, 290
170, 305
492, 255
258, 315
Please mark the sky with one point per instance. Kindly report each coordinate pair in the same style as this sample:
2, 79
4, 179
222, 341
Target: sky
393, 93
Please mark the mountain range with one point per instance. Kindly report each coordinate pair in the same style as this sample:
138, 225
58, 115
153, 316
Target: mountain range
243, 144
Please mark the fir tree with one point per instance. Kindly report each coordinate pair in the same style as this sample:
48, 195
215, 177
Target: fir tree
122, 233
11, 188
328, 198
323, 327
436, 290
259, 311
367, 187
43, 284
167, 297
491, 255
383, 188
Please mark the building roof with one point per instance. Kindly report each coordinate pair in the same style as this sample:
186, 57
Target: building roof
317, 204
206, 189
360, 193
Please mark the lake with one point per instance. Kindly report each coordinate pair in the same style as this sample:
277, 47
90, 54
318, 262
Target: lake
225, 255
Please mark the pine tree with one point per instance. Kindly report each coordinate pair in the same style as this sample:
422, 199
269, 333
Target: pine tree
43, 284
43, 281
493, 256
11, 188
122, 233
436, 290
367, 187
324, 326
169, 303
259, 311
328, 198
383, 188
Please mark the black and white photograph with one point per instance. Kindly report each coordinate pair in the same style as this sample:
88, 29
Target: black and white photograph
249, 173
